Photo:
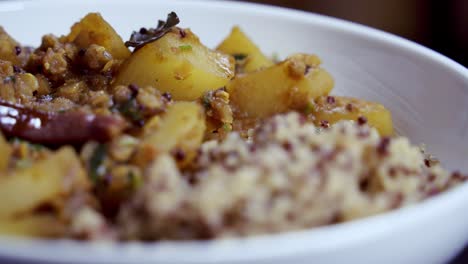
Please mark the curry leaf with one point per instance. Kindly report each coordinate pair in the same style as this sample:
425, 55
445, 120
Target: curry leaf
140, 38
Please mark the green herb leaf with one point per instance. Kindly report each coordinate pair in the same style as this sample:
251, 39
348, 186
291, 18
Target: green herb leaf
206, 100
309, 108
14, 140
130, 110
134, 180
95, 162
36, 147
227, 127
9, 79
140, 38
185, 47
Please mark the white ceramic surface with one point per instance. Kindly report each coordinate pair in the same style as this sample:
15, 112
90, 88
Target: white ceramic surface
426, 92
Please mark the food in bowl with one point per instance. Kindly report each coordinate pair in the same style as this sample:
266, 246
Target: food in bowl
178, 141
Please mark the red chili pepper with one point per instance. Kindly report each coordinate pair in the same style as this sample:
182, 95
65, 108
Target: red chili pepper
52, 128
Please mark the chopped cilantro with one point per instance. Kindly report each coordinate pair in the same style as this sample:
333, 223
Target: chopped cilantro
185, 47
206, 100
36, 147
9, 79
134, 180
130, 110
95, 162
227, 127
309, 108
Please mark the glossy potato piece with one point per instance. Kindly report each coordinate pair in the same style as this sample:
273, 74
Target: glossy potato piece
5, 153
179, 65
8, 51
93, 29
181, 127
238, 43
32, 226
52, 178
336, 108
289, 85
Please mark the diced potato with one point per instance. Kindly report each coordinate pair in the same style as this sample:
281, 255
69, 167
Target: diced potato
32, 226
5, 153
25, 189
93, 29
238, 43
336, 108
179, 65
181, 128
9, 49
288, 85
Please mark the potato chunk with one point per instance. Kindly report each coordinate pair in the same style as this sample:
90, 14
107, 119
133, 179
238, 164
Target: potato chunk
178, 64
5, 152
181, 128
239, 44
32, 226
93, 29
11, 50
288, 85
25, 189
335, 108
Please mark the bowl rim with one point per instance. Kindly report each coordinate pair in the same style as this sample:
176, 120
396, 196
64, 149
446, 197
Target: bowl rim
255, 247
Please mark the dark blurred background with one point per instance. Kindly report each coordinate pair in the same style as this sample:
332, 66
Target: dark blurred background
437, 24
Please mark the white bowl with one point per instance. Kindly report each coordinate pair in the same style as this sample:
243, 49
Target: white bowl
427, 93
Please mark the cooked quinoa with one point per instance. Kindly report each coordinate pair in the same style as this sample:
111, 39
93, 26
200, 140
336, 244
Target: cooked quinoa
289, 175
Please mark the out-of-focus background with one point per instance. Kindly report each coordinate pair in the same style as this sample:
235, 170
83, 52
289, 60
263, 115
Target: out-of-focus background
437, 24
